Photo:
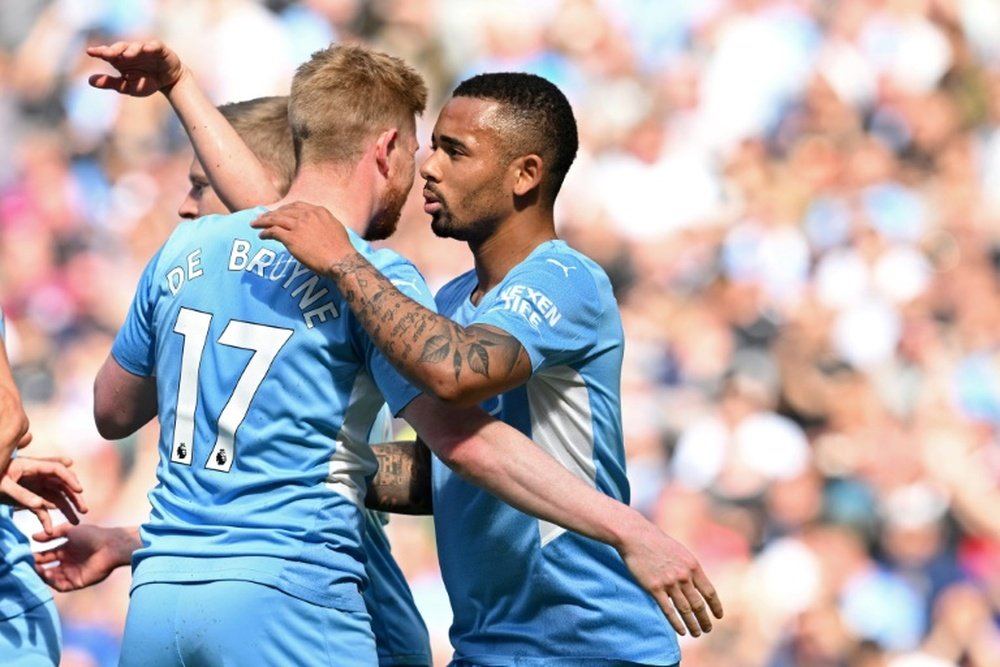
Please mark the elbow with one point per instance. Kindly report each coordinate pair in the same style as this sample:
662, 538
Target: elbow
469, 459
110, 428
111, 422
451, 392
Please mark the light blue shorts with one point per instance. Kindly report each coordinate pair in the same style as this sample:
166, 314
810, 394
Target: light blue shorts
31, 639
239, 623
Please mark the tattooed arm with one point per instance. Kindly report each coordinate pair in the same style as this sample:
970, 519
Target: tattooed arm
403, 482
460, 365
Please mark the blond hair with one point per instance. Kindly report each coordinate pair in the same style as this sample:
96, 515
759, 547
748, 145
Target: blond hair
262, 123
346, 94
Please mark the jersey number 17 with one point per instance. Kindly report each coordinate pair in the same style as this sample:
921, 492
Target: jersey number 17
265, 341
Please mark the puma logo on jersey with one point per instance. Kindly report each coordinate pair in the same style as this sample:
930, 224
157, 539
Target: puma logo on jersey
565, 269
411, 283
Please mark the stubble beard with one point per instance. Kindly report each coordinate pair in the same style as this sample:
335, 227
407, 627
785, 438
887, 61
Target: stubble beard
444, 225
384, 224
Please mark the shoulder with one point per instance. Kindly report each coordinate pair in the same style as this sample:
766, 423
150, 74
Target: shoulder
556, 267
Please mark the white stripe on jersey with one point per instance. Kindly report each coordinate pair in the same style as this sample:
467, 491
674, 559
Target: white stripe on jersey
561, 424
353, 461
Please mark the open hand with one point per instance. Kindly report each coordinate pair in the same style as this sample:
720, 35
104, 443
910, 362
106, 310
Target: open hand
144, 67
88, 556
668, 572
311, 233
41, 485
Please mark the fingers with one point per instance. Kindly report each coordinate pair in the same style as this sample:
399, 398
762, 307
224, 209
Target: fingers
22, 496
45, 484
707, 591
666, 605
105, 81
49, 556
56, 578
63, 502
43, 518
60, 531
693, 599
124, 49
696, 615
48, 470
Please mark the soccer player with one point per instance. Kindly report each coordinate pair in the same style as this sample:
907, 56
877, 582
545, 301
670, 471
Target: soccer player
91, 553
267, 387
535, 335
30, 633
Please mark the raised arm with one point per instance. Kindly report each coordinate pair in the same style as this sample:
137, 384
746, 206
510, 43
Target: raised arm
501, 460
458, 364
145, 68
402, 484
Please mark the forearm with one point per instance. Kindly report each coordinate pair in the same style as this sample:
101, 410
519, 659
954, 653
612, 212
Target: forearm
504, 462
457, 364
523, 475
237, 176
403, 482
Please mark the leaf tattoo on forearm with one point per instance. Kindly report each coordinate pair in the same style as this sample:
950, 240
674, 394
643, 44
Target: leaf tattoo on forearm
411, 335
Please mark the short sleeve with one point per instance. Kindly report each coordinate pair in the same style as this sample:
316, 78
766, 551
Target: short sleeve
135, 346
552, 307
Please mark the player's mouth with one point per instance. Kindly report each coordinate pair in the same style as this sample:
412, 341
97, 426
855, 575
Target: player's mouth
432, 201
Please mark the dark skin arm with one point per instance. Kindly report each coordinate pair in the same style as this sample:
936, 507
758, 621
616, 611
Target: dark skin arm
402, 484
457, 364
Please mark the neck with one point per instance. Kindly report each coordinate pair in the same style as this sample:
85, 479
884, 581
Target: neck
513, 240
342, 190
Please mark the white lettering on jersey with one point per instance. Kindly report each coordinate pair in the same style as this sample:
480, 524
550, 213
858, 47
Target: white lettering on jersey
301, 283
531, 304
191, 269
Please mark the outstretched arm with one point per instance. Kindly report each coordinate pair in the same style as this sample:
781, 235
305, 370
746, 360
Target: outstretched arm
458, 364
145, 68
403, 482
501, 460
88, 556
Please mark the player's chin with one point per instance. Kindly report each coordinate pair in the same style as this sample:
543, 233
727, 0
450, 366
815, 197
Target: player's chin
441, 225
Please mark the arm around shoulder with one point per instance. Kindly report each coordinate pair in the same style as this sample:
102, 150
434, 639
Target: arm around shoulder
402, 484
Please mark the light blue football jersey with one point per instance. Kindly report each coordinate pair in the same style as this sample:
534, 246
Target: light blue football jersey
400, 633
21, 590
524, 591
267, 389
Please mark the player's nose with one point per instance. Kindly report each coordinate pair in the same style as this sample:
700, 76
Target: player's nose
428, 168
188, 209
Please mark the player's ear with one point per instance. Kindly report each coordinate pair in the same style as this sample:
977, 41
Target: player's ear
387, 142
527, 173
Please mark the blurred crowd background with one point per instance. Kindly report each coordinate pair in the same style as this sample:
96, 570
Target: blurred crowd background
798, 202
